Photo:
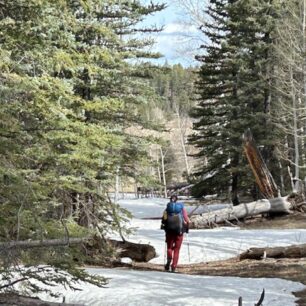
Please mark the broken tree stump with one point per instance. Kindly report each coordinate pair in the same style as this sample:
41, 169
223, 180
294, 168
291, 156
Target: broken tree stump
292, 251
263, 176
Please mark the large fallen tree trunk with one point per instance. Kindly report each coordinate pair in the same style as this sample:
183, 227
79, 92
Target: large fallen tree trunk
234, 213
231, 213
293, 251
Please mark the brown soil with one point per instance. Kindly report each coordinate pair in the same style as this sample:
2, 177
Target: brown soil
293, 221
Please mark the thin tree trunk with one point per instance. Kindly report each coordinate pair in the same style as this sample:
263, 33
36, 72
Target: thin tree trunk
304, 77
182, 139
162, 156
158, 172
281, 177
295, 133
117, 185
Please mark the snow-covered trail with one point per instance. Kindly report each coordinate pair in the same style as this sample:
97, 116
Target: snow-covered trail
205, 245
150, 288
138, 288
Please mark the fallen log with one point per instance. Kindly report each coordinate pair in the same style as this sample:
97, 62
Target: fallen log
136, 251
229, 214
293, 251
280, 205
234, 213
27, 244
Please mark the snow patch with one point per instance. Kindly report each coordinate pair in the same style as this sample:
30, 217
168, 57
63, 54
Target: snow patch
137, 288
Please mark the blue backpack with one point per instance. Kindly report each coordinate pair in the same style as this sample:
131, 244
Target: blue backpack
175, 219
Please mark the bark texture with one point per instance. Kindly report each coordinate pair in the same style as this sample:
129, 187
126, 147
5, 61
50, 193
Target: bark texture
241, 211
136, 251
293, 251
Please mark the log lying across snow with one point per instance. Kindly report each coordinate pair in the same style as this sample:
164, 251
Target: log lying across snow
293, 251
136, 251
232, 213
29, 244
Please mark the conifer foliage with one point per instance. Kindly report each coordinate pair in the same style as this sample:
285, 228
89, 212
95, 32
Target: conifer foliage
68, 92
236, 88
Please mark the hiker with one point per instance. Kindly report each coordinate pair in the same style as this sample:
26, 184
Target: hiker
175, 222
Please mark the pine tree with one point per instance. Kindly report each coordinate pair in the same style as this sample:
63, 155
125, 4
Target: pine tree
236, 94
68, 93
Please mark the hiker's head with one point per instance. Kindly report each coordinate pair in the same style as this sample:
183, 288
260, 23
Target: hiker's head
173, 198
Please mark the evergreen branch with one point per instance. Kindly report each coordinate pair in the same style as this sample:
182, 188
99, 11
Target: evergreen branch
13, 283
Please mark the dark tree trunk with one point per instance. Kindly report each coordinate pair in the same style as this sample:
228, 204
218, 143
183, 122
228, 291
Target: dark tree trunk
136, 251
293, 251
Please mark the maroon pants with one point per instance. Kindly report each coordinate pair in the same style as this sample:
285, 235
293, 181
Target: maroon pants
174, 243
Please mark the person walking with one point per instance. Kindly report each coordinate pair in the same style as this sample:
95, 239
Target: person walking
175, 222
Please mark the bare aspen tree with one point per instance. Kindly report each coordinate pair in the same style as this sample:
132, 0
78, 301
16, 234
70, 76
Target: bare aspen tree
182, 131
162, 156
290, 50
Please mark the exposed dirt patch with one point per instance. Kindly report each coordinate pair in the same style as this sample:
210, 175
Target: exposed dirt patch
293, 221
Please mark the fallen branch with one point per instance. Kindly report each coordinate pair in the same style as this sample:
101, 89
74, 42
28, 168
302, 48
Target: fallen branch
27, 244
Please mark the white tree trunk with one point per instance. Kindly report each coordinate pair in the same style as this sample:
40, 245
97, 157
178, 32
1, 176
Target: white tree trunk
304, 79
162, 156
117, 185
240, 211
231, 213
182, 139
296, 136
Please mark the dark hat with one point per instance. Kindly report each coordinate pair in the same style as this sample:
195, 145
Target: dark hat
174, 196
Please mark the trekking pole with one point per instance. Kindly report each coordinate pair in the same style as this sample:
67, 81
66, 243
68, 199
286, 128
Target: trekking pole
165, 251
187, 238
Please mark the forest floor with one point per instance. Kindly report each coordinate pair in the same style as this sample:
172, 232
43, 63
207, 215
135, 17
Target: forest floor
293, 221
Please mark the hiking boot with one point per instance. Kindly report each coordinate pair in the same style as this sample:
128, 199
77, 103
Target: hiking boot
173, 269
167, 265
